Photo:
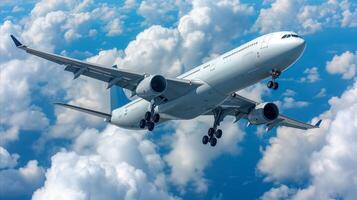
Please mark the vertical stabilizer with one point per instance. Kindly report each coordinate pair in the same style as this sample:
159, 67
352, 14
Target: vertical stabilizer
117, 97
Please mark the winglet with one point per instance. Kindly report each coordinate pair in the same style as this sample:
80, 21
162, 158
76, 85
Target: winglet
317, 125
17, 43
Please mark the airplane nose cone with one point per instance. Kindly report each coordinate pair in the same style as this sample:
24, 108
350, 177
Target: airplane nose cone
299, 46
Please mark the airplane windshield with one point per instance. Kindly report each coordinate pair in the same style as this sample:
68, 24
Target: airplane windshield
290, 35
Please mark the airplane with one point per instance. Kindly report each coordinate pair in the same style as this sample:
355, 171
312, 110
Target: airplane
208, 89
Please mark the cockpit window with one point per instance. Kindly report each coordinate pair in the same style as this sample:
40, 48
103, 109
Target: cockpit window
290, 35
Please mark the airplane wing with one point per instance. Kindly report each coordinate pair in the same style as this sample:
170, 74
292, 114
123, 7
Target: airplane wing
240, 106
113, 76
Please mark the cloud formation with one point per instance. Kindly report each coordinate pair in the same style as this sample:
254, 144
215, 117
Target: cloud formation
344, 64
318, 155
119, 164
305, 18
21, 181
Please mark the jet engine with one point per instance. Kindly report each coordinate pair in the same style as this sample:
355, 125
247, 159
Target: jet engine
151, 87
263, 113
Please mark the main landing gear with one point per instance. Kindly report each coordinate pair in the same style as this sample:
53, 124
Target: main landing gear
150, 118
214, 133
273, 84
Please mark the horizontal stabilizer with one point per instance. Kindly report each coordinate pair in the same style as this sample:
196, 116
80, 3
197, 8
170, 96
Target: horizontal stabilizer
106, 116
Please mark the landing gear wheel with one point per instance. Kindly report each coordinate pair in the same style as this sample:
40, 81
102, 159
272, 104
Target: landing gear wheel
148, 116
218, 133
210, 132
151, 126
205, 139
142, 123
213, 141
270, 84
276, 85
156, 118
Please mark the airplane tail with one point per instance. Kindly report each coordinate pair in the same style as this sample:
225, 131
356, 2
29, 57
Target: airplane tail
117, 97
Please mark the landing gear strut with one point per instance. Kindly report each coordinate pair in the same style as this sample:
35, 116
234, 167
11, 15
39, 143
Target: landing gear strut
213, 133
274, 75
150, 118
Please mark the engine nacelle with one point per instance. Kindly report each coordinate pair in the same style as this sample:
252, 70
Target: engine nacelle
263, 113
151, 87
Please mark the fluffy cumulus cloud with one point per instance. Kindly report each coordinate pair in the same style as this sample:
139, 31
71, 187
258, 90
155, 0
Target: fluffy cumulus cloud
290, 102
279, 193
77, 17
305, 18
318, 155
21, 181
7, 160
120, 164
311, 75
188, 157
203, 31
153, 11
49, 22
344, 64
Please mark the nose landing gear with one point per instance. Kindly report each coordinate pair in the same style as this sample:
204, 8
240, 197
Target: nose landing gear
273, 84
213, 133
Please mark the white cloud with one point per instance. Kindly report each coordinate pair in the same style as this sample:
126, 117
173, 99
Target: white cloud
17, 8
255, 92
282, 192
188, 157
290, 102
22, 74
114, 27
318, 155
312, 75
119, 164
344, 64
7, 160
157, 11
22, 181
289, 93
201, 32
305, 18
321, 93
79, 18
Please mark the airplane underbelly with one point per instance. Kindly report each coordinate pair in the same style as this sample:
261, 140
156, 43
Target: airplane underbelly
197, 102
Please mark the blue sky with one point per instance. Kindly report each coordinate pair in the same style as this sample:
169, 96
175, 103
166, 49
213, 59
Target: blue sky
51, 153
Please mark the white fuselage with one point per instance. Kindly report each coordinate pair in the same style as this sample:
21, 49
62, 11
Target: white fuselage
228, 73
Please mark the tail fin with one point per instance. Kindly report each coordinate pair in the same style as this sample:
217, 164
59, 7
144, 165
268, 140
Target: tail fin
117, 96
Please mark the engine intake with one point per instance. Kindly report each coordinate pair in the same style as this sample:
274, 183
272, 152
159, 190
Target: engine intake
151, 87
263, 113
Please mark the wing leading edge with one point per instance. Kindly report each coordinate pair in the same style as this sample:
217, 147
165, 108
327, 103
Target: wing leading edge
241, 106
113, 76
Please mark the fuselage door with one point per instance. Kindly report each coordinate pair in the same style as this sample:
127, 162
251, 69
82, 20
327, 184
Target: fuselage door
265, 42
